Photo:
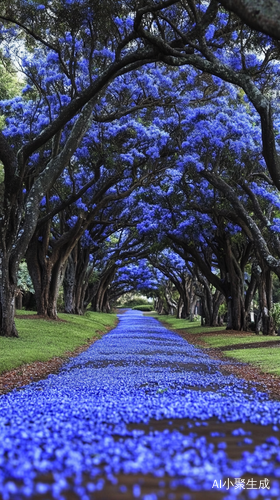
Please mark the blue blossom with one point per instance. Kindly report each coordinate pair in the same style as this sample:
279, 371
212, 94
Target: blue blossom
276, 226
210, 32
80, 204
76, 422
72, 221
270, 196
54, 199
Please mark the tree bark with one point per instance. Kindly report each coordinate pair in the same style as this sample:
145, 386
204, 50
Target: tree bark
265, 321
69, 283
18, 300
260, 15
98, 303
235, 304
7, 300
218, 300
171, 304
47, 268
179, 308
83, 274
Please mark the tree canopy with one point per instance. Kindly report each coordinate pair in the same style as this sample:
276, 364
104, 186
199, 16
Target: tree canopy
140, 150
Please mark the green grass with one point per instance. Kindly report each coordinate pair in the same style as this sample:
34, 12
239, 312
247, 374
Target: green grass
205, 329
185, 324
23, 312
267, 359
223, 341
143, 307
41, 340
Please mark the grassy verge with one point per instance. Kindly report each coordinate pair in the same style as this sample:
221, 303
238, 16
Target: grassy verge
249, 338
185, 324
265, 358
41, 340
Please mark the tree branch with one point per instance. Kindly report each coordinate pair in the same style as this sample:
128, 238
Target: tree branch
261, 15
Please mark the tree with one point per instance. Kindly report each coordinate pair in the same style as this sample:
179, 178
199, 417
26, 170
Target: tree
174, 268
69, 57
223, 47
112, 160
136, 276
75, 55
124, 247
81, 271
258, 14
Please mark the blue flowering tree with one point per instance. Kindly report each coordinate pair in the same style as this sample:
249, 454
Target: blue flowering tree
117, 275
69, 52
81, 63
116, 156
217, 40
174, 268
219, 201
133, 277
140, 276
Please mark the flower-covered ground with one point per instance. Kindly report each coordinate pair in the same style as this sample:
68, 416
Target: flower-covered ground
140, 414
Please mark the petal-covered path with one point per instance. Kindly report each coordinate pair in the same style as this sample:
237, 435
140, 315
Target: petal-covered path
141, 414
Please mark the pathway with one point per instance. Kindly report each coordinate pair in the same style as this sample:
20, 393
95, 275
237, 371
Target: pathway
141, 414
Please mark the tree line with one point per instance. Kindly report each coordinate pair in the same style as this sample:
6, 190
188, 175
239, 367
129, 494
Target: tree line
142, 141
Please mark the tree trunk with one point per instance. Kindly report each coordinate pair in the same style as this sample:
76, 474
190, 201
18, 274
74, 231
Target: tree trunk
7, 300
160, 306
205, 311
106, 303
46, 271
171, 304
83, 274
75, 284
266, 323
235, 312
18, 300
79, 303
250, 293
179, 308
235, 294
90, 292
207, 303
210, 302
69, 284
40, 273
218, 299
57, 276
100, 297
105, 280
186, 307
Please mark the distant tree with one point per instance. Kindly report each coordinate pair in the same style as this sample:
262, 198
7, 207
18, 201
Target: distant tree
174, 268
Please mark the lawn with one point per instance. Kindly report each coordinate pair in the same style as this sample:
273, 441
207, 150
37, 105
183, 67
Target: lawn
185, 324
41, 340
265, 358
250, 338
